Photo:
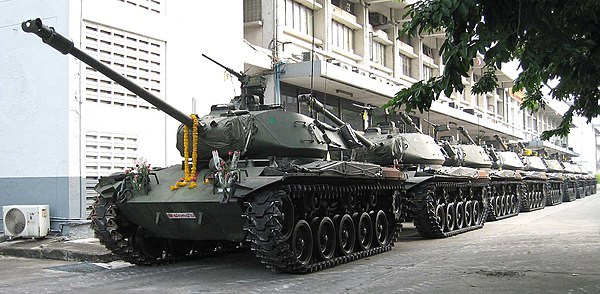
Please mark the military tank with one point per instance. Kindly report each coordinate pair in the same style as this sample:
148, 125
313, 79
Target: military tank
558, 181
535, 188
575, 184
251, 174
587, 180
442, 199
507, 182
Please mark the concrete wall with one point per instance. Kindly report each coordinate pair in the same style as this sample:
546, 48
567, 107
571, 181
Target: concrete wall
36, 103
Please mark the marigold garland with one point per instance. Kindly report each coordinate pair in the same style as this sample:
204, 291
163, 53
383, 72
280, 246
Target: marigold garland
190, 175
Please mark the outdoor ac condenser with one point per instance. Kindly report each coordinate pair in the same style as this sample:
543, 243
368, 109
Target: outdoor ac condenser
26, 220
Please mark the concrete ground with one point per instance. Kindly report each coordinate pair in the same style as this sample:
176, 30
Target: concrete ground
554, 250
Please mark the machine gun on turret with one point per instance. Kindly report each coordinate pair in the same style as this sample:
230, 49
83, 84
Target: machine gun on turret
252, 95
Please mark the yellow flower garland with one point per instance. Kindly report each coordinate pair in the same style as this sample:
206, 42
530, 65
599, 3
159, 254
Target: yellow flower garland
190, 176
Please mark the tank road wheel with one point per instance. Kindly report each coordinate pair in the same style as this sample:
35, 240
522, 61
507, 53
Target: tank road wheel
302, 242
382, 229
440, 216
324, 238
476, 213
499, 206
152, 248
505, 205
346, 234
469, 213
460, 215
450, 217
288, 217
364, 231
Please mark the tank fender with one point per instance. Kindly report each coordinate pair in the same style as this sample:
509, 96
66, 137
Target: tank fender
108, 186
251, 184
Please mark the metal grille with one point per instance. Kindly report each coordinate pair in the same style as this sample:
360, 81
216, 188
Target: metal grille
139, 58
155, 6
106, 153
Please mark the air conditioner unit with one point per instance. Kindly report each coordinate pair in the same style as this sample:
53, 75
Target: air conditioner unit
377, 19
26, 220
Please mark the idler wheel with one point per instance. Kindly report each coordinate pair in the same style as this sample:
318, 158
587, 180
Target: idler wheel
324, 238
440, 216
364, 230
287, 217
469, 213
382, 229
460, 215
450, 217
346, 234
302, 242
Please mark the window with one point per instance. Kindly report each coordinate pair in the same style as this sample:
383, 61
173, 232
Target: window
298, 17
427, 51
344, 5
342, 36
427, 72
404, 65
378, 53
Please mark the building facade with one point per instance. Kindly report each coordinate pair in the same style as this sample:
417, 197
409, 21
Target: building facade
351, 54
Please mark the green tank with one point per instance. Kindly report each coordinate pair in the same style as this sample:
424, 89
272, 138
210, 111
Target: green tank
536, 184
444, 196
261, 181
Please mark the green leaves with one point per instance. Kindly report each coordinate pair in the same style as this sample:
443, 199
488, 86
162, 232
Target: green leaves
553, 40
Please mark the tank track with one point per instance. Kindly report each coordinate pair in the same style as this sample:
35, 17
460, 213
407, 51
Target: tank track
432, 203
555, 196
568, 191
282, 223
579, 189
534, 196
132, 244
504, 200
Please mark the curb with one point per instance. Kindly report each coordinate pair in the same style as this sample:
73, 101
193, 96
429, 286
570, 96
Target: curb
57, 249
57, 254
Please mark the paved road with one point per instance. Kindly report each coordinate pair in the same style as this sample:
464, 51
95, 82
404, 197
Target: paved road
555, 250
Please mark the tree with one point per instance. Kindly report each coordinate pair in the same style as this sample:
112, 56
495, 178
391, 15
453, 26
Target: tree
552, 39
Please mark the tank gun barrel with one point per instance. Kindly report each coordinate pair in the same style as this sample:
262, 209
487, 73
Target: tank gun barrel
408, 121
465, 133
241, 76
66, 46
318, 106
501, 142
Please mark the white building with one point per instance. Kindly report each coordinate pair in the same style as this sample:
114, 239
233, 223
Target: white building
64, 124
